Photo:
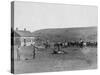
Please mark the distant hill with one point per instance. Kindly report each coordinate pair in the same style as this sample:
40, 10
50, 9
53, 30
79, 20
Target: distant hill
60, 34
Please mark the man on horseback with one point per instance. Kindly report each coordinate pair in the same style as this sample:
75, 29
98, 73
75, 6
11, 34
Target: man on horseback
81, 43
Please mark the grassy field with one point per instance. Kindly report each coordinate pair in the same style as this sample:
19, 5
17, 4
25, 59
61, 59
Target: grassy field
73, 59
45, 61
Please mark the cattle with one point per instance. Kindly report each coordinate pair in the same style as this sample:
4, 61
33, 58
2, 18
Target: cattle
91, 44
57, 46
66, 44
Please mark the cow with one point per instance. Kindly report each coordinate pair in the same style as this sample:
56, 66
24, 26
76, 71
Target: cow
91, 44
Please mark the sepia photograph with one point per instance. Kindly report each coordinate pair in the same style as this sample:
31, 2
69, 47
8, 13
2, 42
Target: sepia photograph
51, 37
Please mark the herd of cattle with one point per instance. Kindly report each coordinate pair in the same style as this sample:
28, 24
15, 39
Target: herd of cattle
57, 46
66, 44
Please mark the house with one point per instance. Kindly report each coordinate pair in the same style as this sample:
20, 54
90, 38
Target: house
23, 37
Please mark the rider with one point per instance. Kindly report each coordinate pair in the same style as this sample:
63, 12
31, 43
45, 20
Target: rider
81, 42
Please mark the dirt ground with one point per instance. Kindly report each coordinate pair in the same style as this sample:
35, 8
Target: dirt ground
45, 61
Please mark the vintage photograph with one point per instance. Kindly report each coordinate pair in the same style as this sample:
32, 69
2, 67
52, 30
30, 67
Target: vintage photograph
50, 37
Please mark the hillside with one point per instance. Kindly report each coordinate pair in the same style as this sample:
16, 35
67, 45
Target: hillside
60, 34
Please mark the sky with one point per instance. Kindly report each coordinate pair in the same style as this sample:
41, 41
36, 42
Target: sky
35, 16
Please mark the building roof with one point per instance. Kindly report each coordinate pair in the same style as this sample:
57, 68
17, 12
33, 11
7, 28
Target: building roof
22, 33
16, 34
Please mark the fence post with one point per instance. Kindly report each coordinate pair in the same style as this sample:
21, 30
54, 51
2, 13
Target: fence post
18, 54
33, 52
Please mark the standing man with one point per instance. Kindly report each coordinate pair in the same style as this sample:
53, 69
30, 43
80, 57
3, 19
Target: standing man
24, 42
34, 50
